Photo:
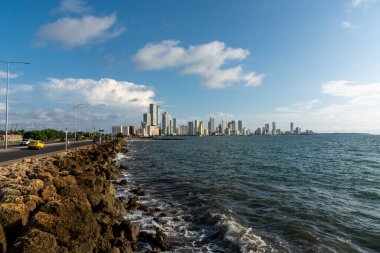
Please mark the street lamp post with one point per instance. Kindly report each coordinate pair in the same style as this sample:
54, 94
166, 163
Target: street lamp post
6, 97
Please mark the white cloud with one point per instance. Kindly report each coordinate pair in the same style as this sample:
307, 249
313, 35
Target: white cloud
17, 88
73, 6
300, 107
2, 107
347, 25
3, 74
356, 109
72, 32
358, 3
205, 60
158, 56
105, 91
343, 88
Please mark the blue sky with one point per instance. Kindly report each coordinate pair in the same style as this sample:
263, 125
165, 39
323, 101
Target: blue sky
315, 63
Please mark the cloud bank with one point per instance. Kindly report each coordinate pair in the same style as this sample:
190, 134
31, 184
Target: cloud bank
73, 6
3, 74
112, 93
359, 3
205, 60
73, 32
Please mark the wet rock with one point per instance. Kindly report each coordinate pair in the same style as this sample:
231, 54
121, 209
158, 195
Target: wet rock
132, 203
162, 240
123, 167
122, 182
139, 191
158, 240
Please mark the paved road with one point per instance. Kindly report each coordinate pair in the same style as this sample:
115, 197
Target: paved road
19, 152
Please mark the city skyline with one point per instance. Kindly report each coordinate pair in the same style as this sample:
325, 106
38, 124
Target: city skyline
168, 126
309, 62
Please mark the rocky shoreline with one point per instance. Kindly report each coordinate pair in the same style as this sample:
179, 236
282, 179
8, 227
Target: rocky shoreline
66, 203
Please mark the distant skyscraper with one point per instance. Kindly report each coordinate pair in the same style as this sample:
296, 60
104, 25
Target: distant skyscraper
233, 127
164, 124
273, 128
147, 119
224, 126
196, 126
153, 110
190, 128
240, 126
174, 126
266, 129
291, 127
211, 128
201, 128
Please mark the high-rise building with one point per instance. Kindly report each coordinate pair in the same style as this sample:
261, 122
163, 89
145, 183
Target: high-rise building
266, 129
174, 126
117, 130
190, 128
291, 127
147, 119
201, 128
196, 127
211, 129
153, 110
165, 124
273, 128
125, 130
183, 130
233, 127
223, 127
240, 127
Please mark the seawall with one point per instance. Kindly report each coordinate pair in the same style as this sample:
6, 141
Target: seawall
65, 203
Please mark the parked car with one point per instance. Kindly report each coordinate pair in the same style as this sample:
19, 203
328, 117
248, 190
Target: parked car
25, 142
37, 144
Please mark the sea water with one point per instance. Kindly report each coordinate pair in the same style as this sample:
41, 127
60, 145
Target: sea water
316, 193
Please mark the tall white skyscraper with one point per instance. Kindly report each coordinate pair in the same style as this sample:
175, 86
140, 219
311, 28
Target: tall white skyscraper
196, 126
224, 126
273, 128
291, 127
153, 110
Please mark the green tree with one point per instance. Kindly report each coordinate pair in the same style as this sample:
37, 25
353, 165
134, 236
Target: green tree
35, 135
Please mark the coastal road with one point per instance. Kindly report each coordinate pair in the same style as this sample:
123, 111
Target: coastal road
19, 152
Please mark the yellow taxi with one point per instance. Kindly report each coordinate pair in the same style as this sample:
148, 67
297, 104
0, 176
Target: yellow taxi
36, 144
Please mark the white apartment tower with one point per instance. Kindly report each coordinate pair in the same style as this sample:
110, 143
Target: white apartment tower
273, 128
